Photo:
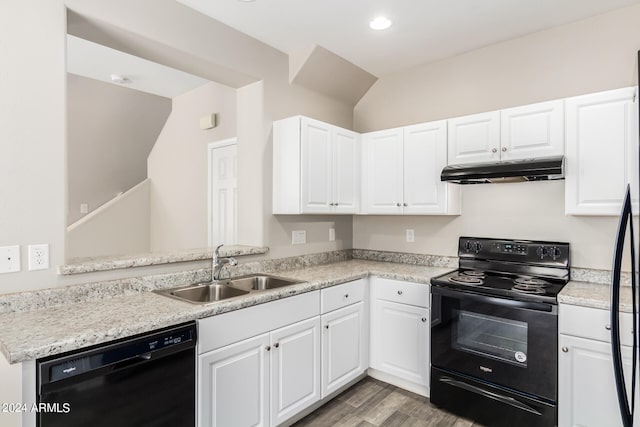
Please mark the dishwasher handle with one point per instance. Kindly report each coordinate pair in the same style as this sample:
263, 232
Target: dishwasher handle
115, 356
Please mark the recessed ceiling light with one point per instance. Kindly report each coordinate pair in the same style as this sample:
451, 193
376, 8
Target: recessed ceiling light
121, 80
380, 23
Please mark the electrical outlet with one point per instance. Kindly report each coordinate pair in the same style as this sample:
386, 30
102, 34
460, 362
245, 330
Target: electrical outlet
410, 235
38, 257
84, 208
298, 237
9, 259
332, 234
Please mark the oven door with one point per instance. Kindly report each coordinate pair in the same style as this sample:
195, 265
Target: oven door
505, 342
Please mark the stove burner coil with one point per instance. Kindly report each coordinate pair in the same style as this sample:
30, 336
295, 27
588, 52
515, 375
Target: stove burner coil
537, 290
466, 280
530, 282
474, 273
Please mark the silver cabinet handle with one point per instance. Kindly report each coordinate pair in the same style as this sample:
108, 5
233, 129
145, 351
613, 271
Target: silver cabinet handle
565, 349
504, 149
268, 348
494, 150
399, 292
607, 327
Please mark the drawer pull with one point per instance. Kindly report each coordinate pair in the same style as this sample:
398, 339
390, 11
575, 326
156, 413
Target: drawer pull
399, 292
276, 345
424, 319
346, 295
268, 348
607, 327
326, 326
565, 349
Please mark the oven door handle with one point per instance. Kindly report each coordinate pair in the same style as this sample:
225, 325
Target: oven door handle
491, 395
491, 300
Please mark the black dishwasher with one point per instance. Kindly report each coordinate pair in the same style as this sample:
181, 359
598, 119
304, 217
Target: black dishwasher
146, 380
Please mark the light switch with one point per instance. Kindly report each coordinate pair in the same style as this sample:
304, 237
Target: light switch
10, 259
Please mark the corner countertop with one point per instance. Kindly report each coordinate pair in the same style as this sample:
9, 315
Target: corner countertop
30, 335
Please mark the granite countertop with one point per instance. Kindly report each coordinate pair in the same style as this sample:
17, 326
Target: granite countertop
594, 295
28, 335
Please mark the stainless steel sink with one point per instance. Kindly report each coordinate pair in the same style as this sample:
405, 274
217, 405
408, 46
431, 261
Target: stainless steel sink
206, 293
203, 293
260, 282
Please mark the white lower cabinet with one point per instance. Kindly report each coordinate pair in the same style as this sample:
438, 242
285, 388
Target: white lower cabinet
586, 386
259, 366
233, 384
294, 369
400, 332
343, 346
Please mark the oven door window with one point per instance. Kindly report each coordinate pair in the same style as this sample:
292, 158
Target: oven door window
490, 336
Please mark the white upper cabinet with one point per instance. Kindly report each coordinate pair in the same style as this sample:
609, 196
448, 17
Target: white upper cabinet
383, 163
601, 152
316, 167
535, 130
529, 131
475, 138
402, 171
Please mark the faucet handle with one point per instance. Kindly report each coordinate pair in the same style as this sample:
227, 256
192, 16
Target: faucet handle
232, 261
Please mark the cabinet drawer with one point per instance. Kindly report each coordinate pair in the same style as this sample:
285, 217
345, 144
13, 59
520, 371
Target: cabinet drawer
593, 323
402, 292
343, 295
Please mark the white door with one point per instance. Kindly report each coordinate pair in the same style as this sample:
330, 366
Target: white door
474, 139
295, 369
233, 385
425, 154
343, 357
601, 152
535, 130
586, 386
223, 193
316, 166
383, 164
401, 341
346, 171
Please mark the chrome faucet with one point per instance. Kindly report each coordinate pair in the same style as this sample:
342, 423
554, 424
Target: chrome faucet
218, 263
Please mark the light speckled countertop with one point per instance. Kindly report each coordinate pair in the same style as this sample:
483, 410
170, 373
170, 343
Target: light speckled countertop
595, 295
29, 335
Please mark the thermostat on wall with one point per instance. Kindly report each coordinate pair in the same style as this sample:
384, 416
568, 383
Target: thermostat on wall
208, 121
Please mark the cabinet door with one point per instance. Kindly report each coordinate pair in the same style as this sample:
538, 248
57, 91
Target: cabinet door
586, 386
535, 130
400, 341
601, 152
383, 172
343, 349
346, 171
233, 385
475, 138
425, 154
295, 369
316, 166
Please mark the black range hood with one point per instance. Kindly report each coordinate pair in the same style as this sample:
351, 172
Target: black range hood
542, 169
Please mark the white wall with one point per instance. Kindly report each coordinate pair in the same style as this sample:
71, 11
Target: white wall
111, 131
120, 226
178, 166
32, 134
587, 56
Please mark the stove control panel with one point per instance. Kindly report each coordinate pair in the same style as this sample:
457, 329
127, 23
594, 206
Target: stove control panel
528, 251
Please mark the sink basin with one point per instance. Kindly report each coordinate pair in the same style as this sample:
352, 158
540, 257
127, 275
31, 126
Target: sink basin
260, 282
204, 293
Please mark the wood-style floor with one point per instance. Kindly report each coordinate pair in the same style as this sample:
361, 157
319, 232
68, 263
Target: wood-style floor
375, 403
